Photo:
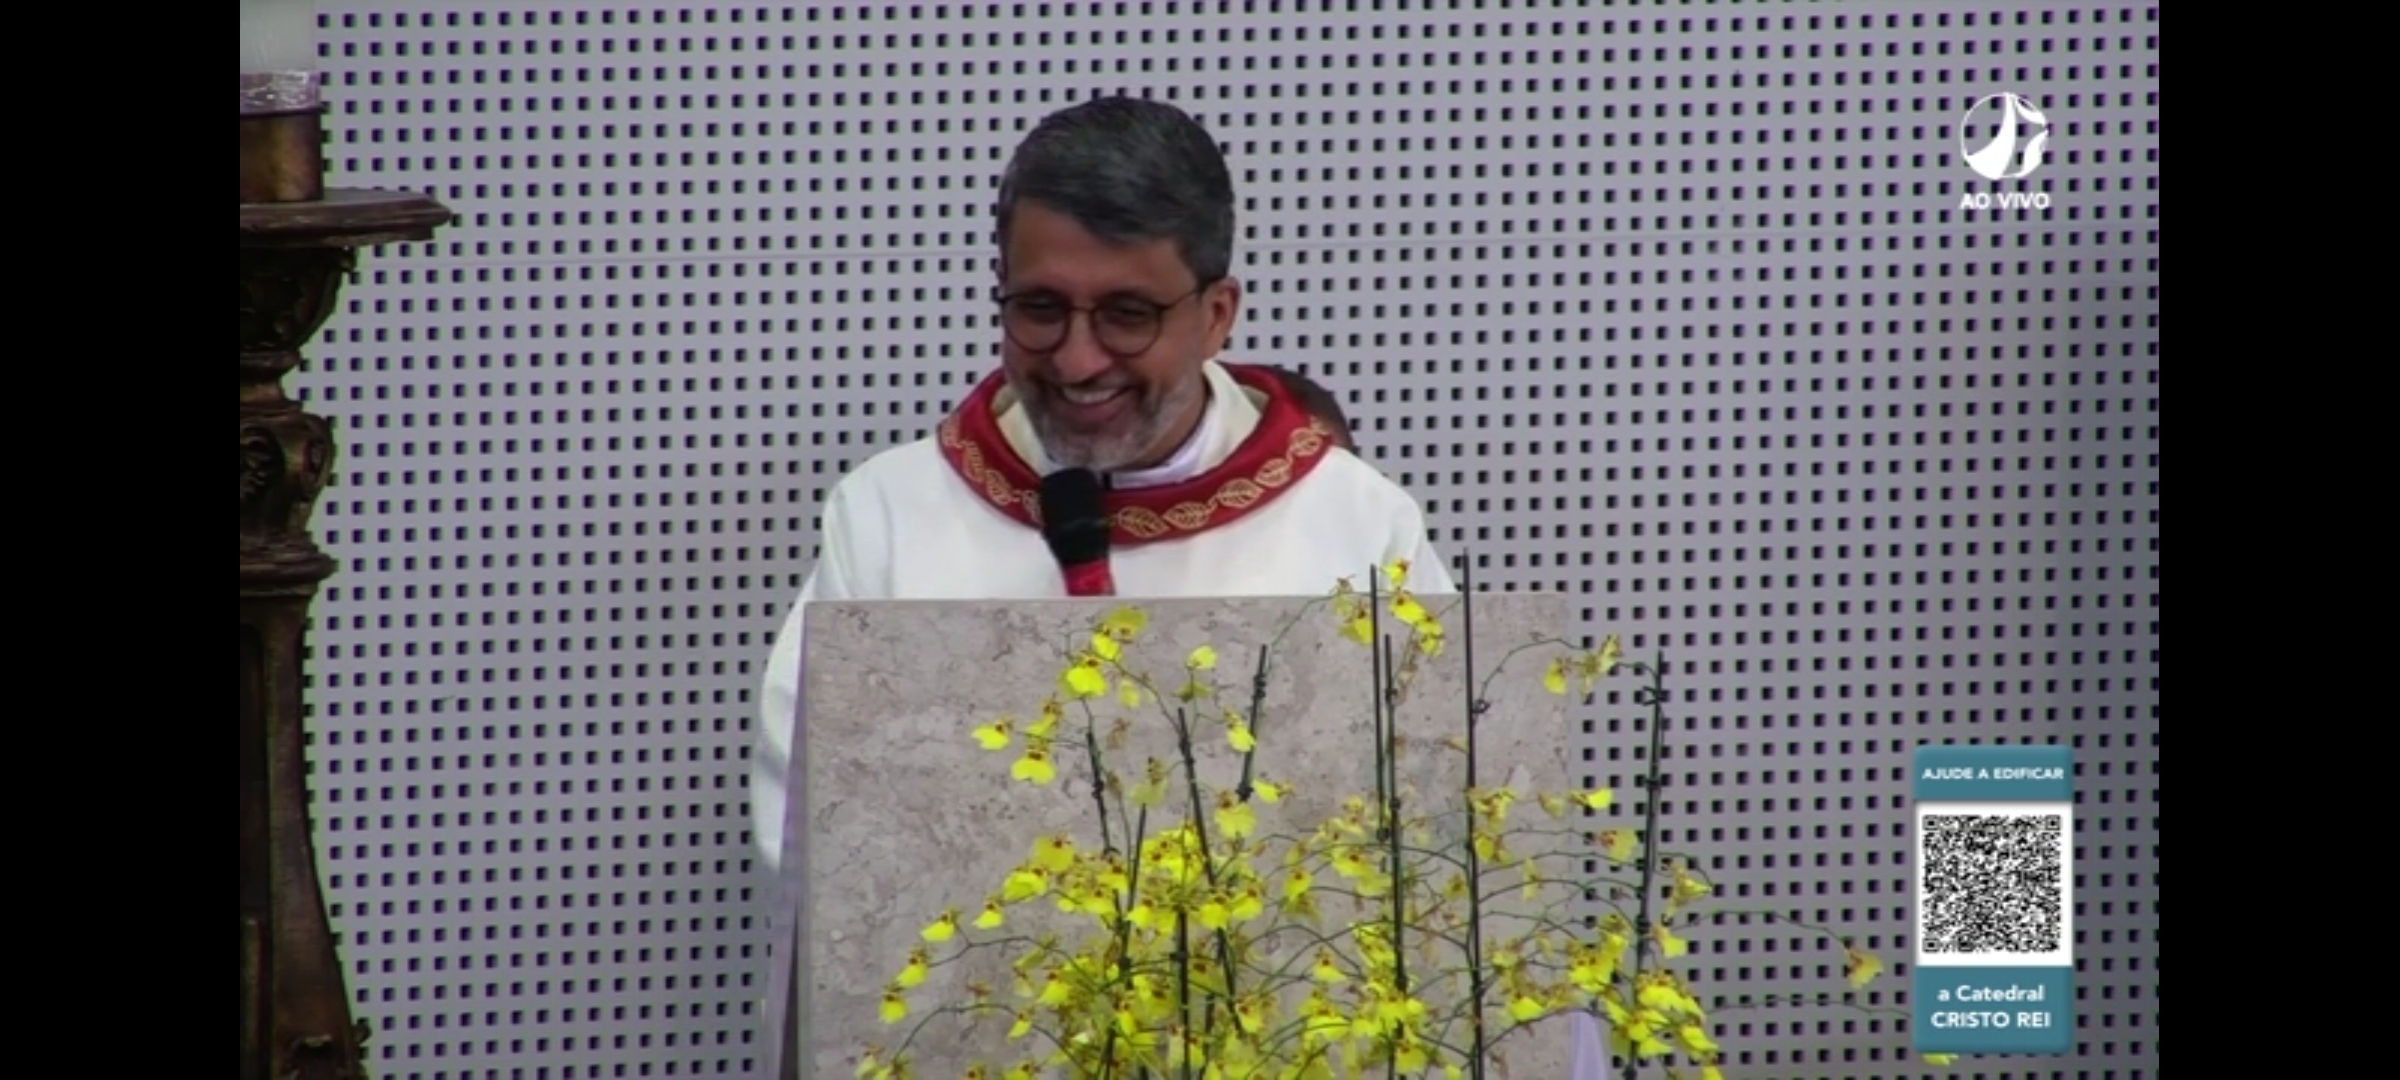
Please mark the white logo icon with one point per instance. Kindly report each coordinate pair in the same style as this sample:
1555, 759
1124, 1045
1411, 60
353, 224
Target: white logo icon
2015, 151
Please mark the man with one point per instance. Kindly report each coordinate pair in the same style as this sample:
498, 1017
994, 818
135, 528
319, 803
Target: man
1115, 294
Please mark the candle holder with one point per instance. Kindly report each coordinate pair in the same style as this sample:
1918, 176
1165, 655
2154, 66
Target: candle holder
283, 137
299, 242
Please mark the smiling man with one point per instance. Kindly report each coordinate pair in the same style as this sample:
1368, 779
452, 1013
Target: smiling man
1115, 297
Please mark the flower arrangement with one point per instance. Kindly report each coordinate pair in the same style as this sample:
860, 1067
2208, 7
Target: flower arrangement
1388, 937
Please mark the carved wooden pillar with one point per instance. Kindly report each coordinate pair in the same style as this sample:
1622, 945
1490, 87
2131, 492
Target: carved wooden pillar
295, 1010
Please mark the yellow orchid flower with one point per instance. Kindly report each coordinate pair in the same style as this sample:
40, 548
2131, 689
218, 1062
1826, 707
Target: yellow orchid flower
1358, 622
1688, 887
1395, 1011
1430, 637
1234, 818
912, 973
1023, 885
1494, 804
1611, 651
1046, 725
1863, 965
1252, 1013
1034, 767
994, 736
1153, 788
1668, 944
1084, 679
1619, 946
1125, 623
1054, 853
1324, 1027
1593, 969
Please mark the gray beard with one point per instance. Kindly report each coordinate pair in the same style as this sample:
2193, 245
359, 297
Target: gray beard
1113, 454
1083, 452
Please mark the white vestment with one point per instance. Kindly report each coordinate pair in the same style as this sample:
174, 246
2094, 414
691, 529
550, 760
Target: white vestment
904, 525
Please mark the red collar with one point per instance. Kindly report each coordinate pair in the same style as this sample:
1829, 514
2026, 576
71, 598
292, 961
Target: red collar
1287, 443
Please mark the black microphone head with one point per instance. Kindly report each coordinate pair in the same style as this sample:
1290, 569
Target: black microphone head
1075, 516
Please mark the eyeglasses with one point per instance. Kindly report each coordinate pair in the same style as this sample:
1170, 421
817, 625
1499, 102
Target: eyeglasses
1124, 326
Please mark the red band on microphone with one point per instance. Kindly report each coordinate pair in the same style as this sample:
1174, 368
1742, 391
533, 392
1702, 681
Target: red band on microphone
1090, 579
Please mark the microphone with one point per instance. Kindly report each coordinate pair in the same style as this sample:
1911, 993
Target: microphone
1075, 523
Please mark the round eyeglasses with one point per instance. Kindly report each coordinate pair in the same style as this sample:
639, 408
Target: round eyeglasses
1123, 326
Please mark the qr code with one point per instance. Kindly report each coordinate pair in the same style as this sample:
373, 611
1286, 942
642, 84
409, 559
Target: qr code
1992, 883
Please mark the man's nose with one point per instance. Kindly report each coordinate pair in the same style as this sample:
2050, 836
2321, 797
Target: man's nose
1080, 358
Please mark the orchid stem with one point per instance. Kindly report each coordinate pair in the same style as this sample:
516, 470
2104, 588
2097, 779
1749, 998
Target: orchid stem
1208, 865
1475, 974
1375, 661
1183, 990
1258, 705
1091, 746
1655, 695
1133, 878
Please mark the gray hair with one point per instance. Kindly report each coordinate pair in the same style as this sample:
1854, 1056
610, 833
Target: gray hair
1129, 171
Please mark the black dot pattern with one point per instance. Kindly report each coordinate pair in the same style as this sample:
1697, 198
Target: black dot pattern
1691, 310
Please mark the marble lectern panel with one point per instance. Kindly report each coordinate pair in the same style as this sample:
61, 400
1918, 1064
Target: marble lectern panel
900, 813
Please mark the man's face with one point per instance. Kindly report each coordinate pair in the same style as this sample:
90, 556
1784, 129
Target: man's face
1122, 385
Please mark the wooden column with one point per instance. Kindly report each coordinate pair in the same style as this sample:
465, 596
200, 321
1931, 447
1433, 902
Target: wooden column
296, 1021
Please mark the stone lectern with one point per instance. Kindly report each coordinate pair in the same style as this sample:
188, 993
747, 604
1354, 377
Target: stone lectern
902, 809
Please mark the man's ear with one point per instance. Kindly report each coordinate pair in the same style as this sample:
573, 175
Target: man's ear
1223, 303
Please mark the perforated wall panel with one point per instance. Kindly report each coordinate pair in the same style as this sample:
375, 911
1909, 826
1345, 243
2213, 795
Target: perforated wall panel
1669, 306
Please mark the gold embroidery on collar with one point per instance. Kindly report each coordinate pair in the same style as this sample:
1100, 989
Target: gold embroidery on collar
1237, 494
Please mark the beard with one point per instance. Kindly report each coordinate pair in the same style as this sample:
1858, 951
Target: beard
1128, 437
